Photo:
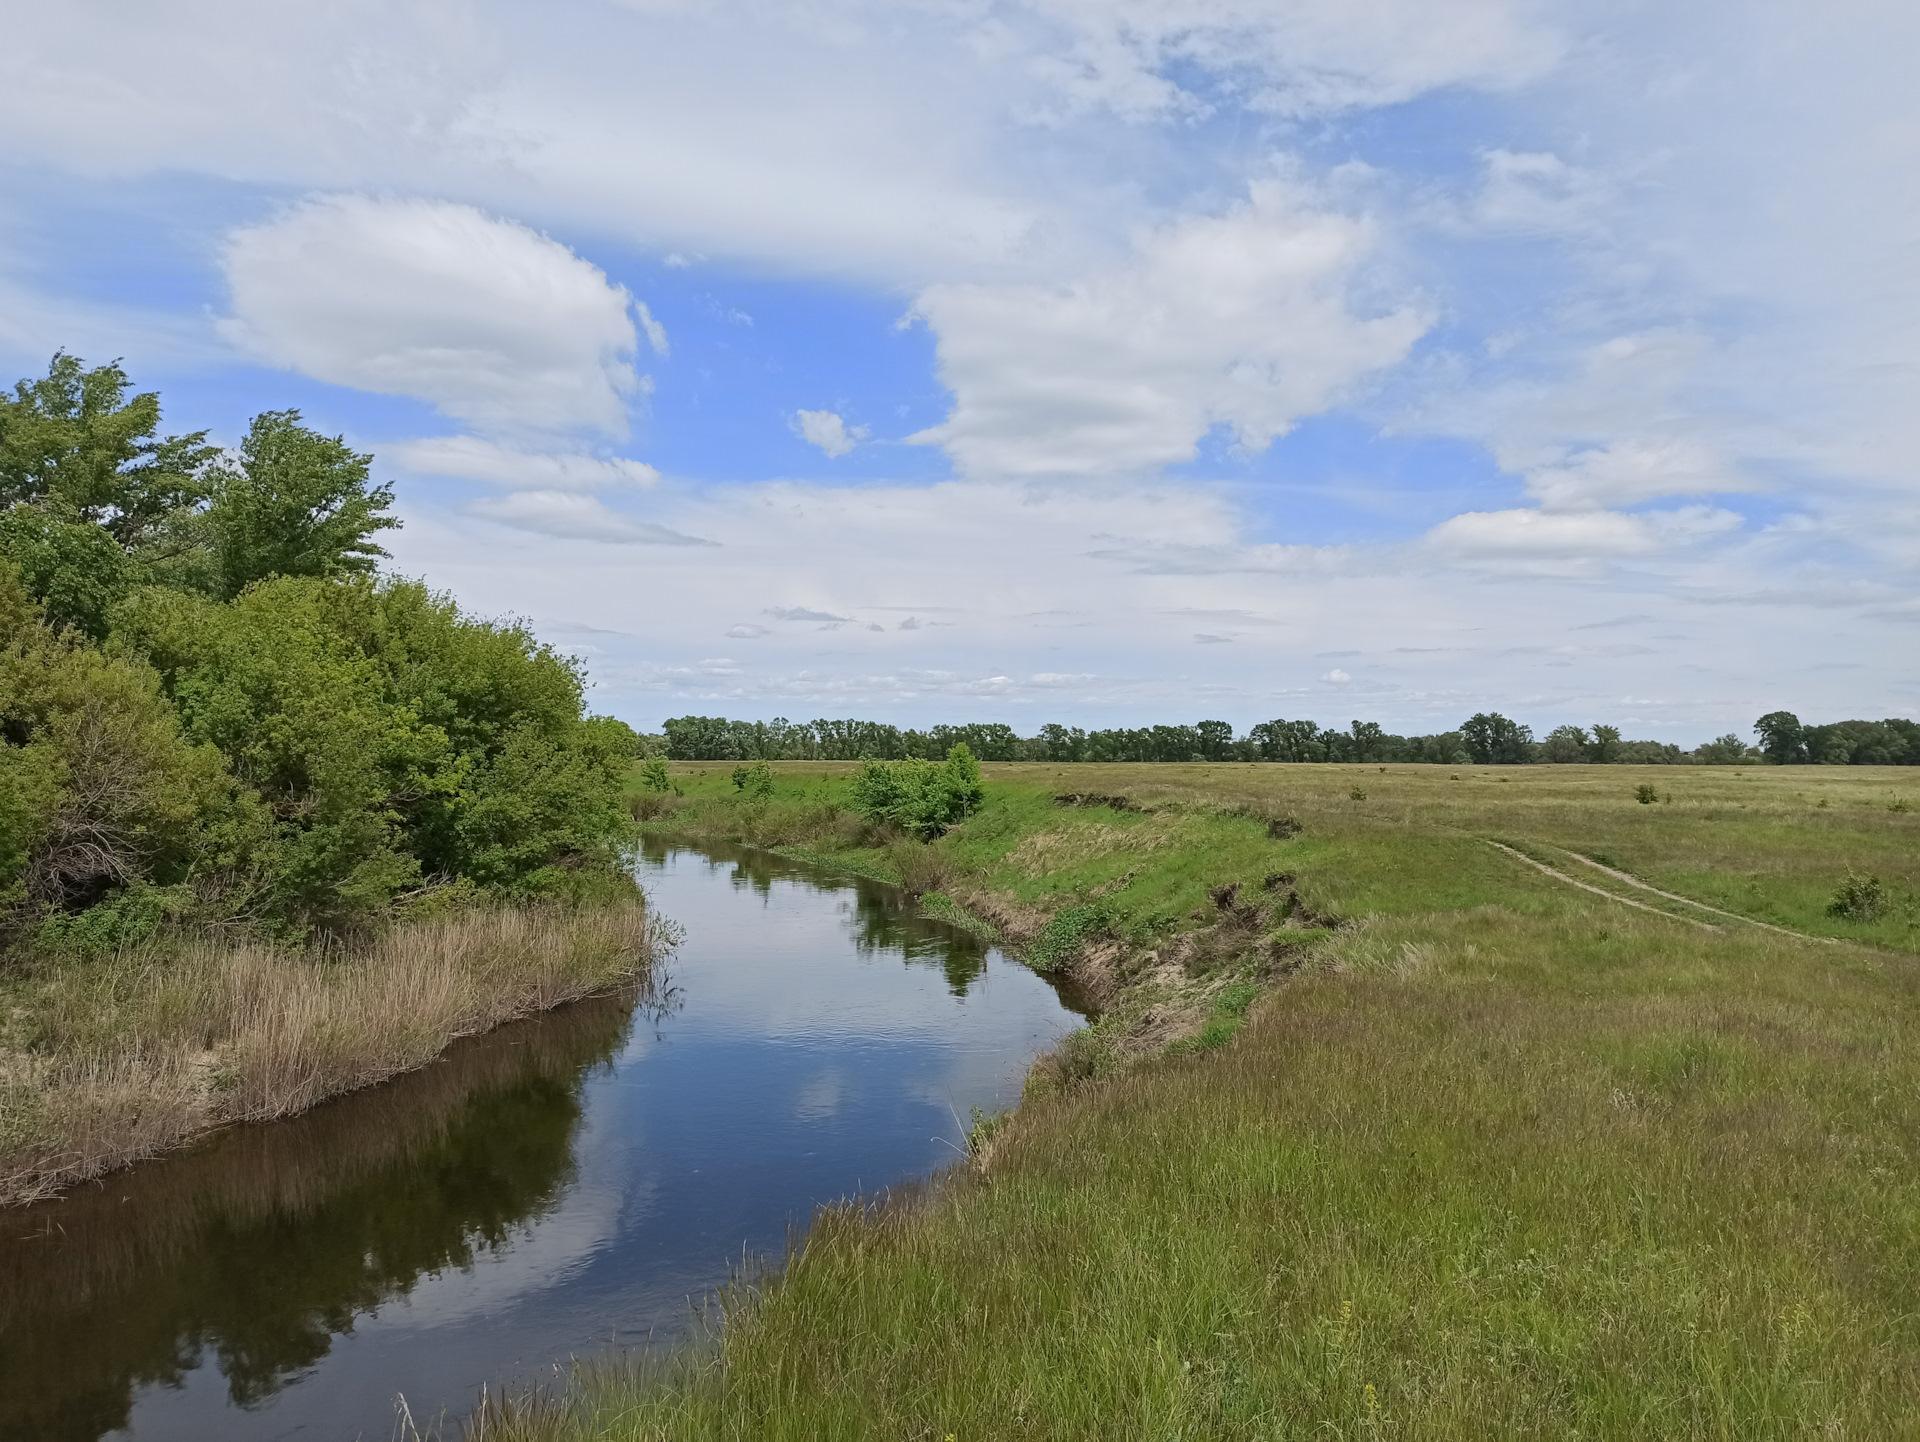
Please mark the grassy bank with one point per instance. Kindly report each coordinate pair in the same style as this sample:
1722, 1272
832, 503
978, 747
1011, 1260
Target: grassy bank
109, 1061
1493, 1155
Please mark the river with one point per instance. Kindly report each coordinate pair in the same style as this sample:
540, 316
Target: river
559, 1188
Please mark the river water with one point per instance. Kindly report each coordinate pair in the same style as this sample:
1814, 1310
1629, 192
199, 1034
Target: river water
557, 1189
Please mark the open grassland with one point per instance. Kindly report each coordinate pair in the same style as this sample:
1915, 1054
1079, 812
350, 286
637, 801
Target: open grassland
125, 1057
1493, 1155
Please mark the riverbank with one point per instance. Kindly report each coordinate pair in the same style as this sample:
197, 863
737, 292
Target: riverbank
1498, 1151
112, 1060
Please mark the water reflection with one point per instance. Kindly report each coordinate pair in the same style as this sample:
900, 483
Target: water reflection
557, 1187
885, 918
260, 1245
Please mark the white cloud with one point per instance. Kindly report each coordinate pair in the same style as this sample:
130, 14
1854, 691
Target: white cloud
1632, 470
1244, 320
570, 516
482, 318
474, 459
1536, 192
1581, 540
746, 633
656, 333
860, 137
828, 431
1044, 615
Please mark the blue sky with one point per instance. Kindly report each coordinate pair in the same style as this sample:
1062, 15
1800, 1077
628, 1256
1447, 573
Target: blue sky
1048, 359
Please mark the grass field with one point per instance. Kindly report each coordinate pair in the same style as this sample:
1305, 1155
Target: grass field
1492, 1155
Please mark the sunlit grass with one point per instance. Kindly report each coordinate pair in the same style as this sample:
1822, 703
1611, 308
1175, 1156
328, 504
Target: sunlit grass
127, 1056
1505, 1159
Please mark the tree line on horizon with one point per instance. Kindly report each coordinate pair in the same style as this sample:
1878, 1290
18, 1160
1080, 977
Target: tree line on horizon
1485, 739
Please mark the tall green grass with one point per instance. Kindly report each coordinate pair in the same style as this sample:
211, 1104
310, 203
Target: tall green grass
1503, 1159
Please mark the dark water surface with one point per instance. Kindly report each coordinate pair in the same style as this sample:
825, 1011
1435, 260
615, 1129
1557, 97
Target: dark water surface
551, 1190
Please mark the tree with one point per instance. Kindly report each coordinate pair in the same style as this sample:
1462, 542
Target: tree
76, 447
1493, 740
1783, 740
1367, 740
1727, 750
296, 503
1565, 745
1606, 744
1216, 739
91, 500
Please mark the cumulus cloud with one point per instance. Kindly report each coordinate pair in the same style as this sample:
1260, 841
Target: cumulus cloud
474, 459
568, 515
828, 431
1242, 319
484, 319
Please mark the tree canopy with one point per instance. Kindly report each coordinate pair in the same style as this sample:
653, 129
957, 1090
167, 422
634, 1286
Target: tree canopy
212, 708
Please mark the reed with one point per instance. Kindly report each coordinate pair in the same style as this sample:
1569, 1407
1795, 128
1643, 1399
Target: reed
118, 1060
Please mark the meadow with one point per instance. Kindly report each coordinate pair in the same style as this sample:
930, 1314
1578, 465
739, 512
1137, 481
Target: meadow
1491, 1155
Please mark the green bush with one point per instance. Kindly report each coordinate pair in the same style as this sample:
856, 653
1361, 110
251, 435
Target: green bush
206, 694
1859, 898
924, 798
755, 781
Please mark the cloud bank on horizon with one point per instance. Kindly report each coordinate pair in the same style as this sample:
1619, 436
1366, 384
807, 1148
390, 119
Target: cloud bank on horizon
1049, 359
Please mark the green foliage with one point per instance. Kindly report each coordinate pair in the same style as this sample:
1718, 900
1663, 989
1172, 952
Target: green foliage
99, 788
124, 919
1728, 750
755, 781
1859, 898
293, 503
654, 775
1493, 740
1567, 744
205, 695
920, 797
1063, 937
1646, 793
392, 739
1782, 738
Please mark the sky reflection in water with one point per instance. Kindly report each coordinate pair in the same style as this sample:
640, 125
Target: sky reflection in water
563, 1185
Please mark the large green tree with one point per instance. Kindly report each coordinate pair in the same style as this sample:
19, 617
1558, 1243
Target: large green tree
92, 497
293, 502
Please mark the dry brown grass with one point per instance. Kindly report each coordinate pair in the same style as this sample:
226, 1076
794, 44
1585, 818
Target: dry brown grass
125, 1059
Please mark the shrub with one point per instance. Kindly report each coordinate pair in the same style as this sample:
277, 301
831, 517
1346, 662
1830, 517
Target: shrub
654, 775
924, 798
1645, 793
755, 781
1859, 898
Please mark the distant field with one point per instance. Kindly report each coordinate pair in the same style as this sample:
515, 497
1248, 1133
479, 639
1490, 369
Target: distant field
1494, 1155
